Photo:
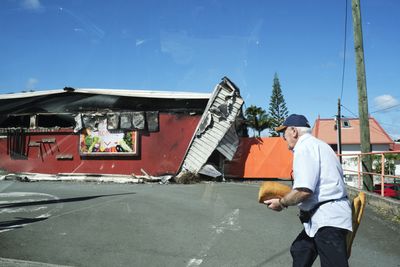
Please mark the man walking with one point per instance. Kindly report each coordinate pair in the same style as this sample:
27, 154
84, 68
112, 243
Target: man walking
320, 193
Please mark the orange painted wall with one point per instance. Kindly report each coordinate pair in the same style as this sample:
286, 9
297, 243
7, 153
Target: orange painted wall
261, 158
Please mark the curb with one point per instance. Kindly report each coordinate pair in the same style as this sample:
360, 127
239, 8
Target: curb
389, 206
36, 177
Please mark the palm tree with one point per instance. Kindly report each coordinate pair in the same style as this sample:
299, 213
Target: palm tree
257, 119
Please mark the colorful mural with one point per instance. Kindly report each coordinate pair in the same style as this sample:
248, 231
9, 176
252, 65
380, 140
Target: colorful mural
103, 142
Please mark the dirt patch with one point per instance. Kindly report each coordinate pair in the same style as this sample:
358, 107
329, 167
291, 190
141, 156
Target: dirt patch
187, 178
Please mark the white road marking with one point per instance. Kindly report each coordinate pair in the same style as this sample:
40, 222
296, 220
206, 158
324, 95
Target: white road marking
20, 200
3, 186
195, 262
16, 210
14, 262
24, 202
230, 222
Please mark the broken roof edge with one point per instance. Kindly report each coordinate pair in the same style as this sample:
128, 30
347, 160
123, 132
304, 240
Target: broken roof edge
225, 83
115, 92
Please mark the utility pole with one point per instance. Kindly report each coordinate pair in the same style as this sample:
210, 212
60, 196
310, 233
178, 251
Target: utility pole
362, 95
339, 133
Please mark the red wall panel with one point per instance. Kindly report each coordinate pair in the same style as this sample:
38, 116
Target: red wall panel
159, 152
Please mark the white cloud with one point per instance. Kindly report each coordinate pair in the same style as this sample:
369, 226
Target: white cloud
31, 83
387, 112
140, 42
31, 4
385, 102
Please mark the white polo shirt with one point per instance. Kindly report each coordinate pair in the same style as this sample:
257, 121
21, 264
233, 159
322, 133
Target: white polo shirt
316, 167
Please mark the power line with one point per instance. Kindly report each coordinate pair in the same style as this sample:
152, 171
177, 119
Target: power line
355, 115
373, 128
376, 111
380, 110
395, 97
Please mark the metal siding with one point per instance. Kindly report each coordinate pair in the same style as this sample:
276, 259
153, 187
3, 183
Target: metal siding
228, 144
204, 143
217, 136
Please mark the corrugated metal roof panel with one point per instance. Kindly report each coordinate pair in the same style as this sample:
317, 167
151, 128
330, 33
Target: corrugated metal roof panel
225, 106
229, 144
205, 143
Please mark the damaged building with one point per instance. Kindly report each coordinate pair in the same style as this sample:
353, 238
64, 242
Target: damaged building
103, 131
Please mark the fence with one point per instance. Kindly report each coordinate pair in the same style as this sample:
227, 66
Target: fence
382, 166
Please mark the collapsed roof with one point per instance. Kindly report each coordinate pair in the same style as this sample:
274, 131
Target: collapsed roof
70, 100
217, 128
216, 131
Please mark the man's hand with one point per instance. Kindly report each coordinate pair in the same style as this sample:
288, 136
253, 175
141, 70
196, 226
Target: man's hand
293, 198
273, 204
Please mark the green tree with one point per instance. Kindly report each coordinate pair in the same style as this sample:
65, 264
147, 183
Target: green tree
389, 163
277, 107
257, 119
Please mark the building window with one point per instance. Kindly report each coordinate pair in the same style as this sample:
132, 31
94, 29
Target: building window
15, 121
346, 123
55, 120
37, 121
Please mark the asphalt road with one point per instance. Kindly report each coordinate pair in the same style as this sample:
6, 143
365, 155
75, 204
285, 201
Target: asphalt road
210, 224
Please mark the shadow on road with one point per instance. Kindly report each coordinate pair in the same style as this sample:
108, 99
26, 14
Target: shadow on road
56, 201
19, 222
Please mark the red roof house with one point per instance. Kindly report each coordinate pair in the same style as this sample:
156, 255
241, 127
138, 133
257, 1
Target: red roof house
326, 130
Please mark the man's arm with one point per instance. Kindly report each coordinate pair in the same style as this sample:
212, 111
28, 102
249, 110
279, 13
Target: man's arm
294, 197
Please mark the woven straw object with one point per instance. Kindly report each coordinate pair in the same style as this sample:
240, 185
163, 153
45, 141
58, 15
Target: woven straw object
270, 190
358, 205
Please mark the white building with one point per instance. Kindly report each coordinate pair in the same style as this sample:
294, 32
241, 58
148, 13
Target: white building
326, 130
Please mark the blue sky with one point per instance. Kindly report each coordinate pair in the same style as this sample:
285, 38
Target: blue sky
189, 45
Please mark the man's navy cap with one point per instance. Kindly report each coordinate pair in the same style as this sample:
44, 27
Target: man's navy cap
294, 120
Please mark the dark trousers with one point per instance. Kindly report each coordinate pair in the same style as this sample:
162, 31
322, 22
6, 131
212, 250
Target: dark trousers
329, 243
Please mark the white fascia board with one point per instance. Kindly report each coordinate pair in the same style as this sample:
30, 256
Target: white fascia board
146, 93
127, 93
30, 94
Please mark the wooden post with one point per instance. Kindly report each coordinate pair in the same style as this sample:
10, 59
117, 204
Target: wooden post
339, 133
382, 174
362, 96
